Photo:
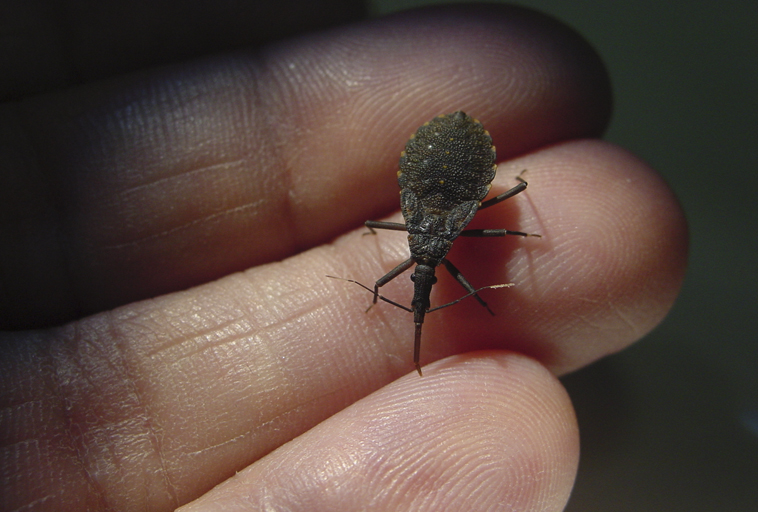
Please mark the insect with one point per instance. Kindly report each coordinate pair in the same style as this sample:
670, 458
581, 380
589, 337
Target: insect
446, 170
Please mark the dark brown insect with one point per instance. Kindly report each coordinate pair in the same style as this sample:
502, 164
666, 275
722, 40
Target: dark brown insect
445, 172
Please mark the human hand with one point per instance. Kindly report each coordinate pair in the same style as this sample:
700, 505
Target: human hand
273, 381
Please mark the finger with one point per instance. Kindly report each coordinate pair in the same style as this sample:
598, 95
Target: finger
181, 391
74, 42
437, 443
172, 178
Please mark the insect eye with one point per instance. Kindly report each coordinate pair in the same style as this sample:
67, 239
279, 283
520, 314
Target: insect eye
413, 277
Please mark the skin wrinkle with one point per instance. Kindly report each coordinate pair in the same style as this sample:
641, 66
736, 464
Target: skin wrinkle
33, 504
147, 414
150, 318
288, 211
183, 227
633, 326
196, 347
200, 343
166, 179
127, 196
266, 424
143, 413
262, 106
251, 332
89, 431
71, 430
293, 310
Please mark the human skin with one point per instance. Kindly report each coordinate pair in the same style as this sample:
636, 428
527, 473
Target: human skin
207, 201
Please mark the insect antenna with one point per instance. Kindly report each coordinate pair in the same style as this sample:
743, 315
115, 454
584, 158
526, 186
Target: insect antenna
469, 294
385, 299
406, 308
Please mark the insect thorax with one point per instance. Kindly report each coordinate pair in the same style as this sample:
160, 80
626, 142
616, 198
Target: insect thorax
428, 249
431, 234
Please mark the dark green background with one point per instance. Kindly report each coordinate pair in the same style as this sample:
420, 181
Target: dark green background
671, 424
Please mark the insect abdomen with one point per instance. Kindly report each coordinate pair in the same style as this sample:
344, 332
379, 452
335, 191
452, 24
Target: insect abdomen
448, 161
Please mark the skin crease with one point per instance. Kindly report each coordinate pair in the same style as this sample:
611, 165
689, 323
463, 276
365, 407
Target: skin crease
211, 192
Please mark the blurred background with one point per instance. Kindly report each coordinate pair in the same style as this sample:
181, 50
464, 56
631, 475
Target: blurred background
671, 424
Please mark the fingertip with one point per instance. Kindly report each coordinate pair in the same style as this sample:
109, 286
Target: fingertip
612, 257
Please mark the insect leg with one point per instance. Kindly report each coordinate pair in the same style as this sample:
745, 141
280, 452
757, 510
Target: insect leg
506, 195
495, 200
495, 232
380, 224
392, 274
464, 282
